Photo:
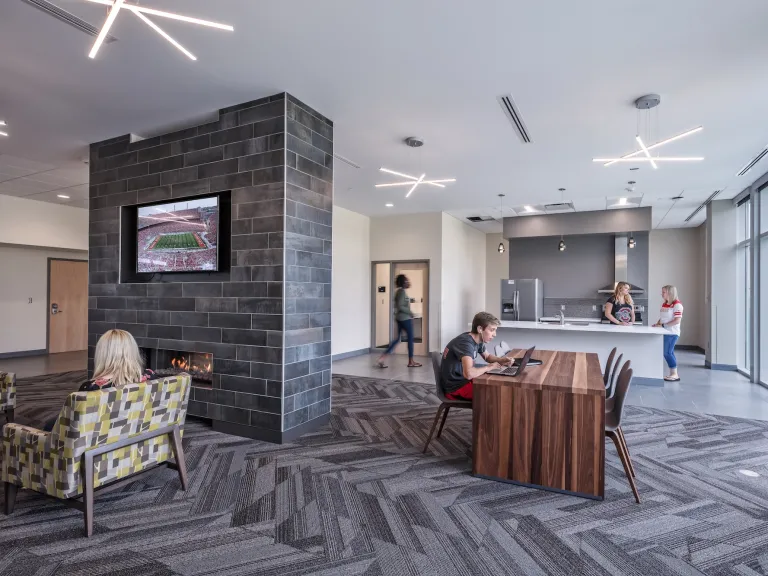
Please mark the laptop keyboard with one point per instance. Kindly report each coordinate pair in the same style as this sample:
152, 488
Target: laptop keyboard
508, 371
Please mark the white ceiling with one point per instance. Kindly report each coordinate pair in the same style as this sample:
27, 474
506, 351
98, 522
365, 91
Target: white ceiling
430, 68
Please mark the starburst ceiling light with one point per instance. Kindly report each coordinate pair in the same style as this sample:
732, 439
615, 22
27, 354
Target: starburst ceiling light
644, 154
141, 12
413, 181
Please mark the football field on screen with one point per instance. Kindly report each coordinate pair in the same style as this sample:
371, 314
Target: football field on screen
185, 240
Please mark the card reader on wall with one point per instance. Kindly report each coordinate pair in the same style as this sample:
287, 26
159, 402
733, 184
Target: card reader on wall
382, 289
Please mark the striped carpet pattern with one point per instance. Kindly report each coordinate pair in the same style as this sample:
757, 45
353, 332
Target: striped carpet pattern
358, 497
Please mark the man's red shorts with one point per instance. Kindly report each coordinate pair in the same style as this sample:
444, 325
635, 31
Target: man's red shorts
463, 393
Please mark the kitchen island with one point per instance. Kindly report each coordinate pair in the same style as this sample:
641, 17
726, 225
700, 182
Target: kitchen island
643, 345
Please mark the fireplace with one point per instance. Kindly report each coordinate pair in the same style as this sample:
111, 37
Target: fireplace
199, 365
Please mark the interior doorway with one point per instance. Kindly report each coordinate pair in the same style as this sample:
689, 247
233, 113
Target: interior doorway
67, 305
383, 322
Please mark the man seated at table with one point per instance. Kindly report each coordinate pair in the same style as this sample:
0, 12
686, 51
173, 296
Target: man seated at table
458, 367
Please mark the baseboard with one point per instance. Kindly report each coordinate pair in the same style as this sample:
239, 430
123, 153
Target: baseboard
653, 382
273, 436
351, 354
23, 353
690, 348
724, 367
306, 428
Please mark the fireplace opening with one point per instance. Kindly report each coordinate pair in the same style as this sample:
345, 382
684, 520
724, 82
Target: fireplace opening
199, 365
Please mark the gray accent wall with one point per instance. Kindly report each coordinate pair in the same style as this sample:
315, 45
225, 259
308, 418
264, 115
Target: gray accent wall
575, 223
267, 319
573, 277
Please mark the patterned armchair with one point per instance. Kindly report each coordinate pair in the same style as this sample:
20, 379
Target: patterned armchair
99, 437
8, 394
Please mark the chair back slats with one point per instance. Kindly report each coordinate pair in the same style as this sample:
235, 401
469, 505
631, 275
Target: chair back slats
612, 379
620, 395
608, 367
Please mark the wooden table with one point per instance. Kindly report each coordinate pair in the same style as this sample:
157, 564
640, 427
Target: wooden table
545, 428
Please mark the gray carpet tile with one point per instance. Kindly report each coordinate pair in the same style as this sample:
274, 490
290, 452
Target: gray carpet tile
359, 497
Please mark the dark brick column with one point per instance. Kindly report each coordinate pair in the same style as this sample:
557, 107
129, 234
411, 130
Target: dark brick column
267, 319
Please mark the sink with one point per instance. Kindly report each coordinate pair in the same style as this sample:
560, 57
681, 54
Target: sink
577, 323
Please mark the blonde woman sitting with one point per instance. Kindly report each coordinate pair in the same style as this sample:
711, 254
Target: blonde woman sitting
117, 362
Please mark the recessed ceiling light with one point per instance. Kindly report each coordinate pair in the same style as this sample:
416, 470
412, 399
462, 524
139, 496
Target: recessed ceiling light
749, 473
388, 205
141, 12
529, 209
64, 196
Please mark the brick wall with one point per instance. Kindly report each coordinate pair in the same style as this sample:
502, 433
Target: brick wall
267, 320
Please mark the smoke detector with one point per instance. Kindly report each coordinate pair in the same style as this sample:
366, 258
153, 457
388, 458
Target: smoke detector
414, 142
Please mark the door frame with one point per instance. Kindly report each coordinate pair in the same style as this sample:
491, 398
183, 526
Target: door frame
48, 298
392, 263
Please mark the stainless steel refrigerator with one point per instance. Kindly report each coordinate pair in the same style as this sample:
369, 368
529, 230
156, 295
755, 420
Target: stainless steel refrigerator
522, 300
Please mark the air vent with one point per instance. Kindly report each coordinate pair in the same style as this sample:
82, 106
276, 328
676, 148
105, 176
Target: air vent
479, 218
559, 207
346, 161
68, 18
513, 115
703, 205
754, 161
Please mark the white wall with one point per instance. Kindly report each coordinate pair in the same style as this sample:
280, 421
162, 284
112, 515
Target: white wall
32, 223
496, 269
464, 276
413, 237
351, 295
24, 273
675, 258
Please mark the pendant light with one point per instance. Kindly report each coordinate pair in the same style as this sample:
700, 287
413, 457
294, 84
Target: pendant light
561, 246
501, 248
631, 240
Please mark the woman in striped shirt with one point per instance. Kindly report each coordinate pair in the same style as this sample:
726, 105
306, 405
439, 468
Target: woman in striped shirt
670, 318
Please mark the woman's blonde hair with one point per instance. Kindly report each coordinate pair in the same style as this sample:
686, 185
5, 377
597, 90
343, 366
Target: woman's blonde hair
117, 359
617, 293
671, 293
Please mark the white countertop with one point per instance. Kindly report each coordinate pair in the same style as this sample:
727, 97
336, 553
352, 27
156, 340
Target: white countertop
573, 319
589, 328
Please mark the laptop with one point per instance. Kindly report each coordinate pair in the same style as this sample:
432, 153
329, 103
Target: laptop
515, 370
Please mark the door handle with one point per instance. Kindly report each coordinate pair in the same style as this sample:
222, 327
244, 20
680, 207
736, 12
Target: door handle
55, 309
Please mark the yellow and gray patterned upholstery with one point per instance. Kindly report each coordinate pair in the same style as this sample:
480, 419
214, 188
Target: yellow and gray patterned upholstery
7, 391
50, 462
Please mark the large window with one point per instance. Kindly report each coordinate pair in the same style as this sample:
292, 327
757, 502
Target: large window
762, 200
744, 296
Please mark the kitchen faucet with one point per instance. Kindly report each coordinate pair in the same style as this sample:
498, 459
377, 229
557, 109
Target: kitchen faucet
562, 317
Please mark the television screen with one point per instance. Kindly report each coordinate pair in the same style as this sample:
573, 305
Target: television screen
179, 236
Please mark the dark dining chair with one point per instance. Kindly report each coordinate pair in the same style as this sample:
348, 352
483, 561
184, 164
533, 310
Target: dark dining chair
445, 403
608, 367
613, 426
612, 380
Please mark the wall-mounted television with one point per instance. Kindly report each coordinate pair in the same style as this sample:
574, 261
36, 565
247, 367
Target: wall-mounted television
180, 236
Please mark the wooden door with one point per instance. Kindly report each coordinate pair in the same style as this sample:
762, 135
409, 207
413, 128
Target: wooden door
67, 306
418, 274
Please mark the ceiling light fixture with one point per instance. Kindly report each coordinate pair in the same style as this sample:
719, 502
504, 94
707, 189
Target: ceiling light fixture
561, 246
3, 133
389, 205
529, 209
631, 241
64, 196
645, 103
413, 181
141, 12
2, 123
623, 201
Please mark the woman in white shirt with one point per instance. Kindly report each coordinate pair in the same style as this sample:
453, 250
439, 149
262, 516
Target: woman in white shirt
670, 318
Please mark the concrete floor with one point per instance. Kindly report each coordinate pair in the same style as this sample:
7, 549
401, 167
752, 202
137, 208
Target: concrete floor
700, 390
45, 364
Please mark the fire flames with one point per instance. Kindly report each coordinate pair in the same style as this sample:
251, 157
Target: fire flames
183, 364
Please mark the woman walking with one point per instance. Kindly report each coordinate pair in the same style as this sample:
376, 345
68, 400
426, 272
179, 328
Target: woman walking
404, 319
670, 318
620, 308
